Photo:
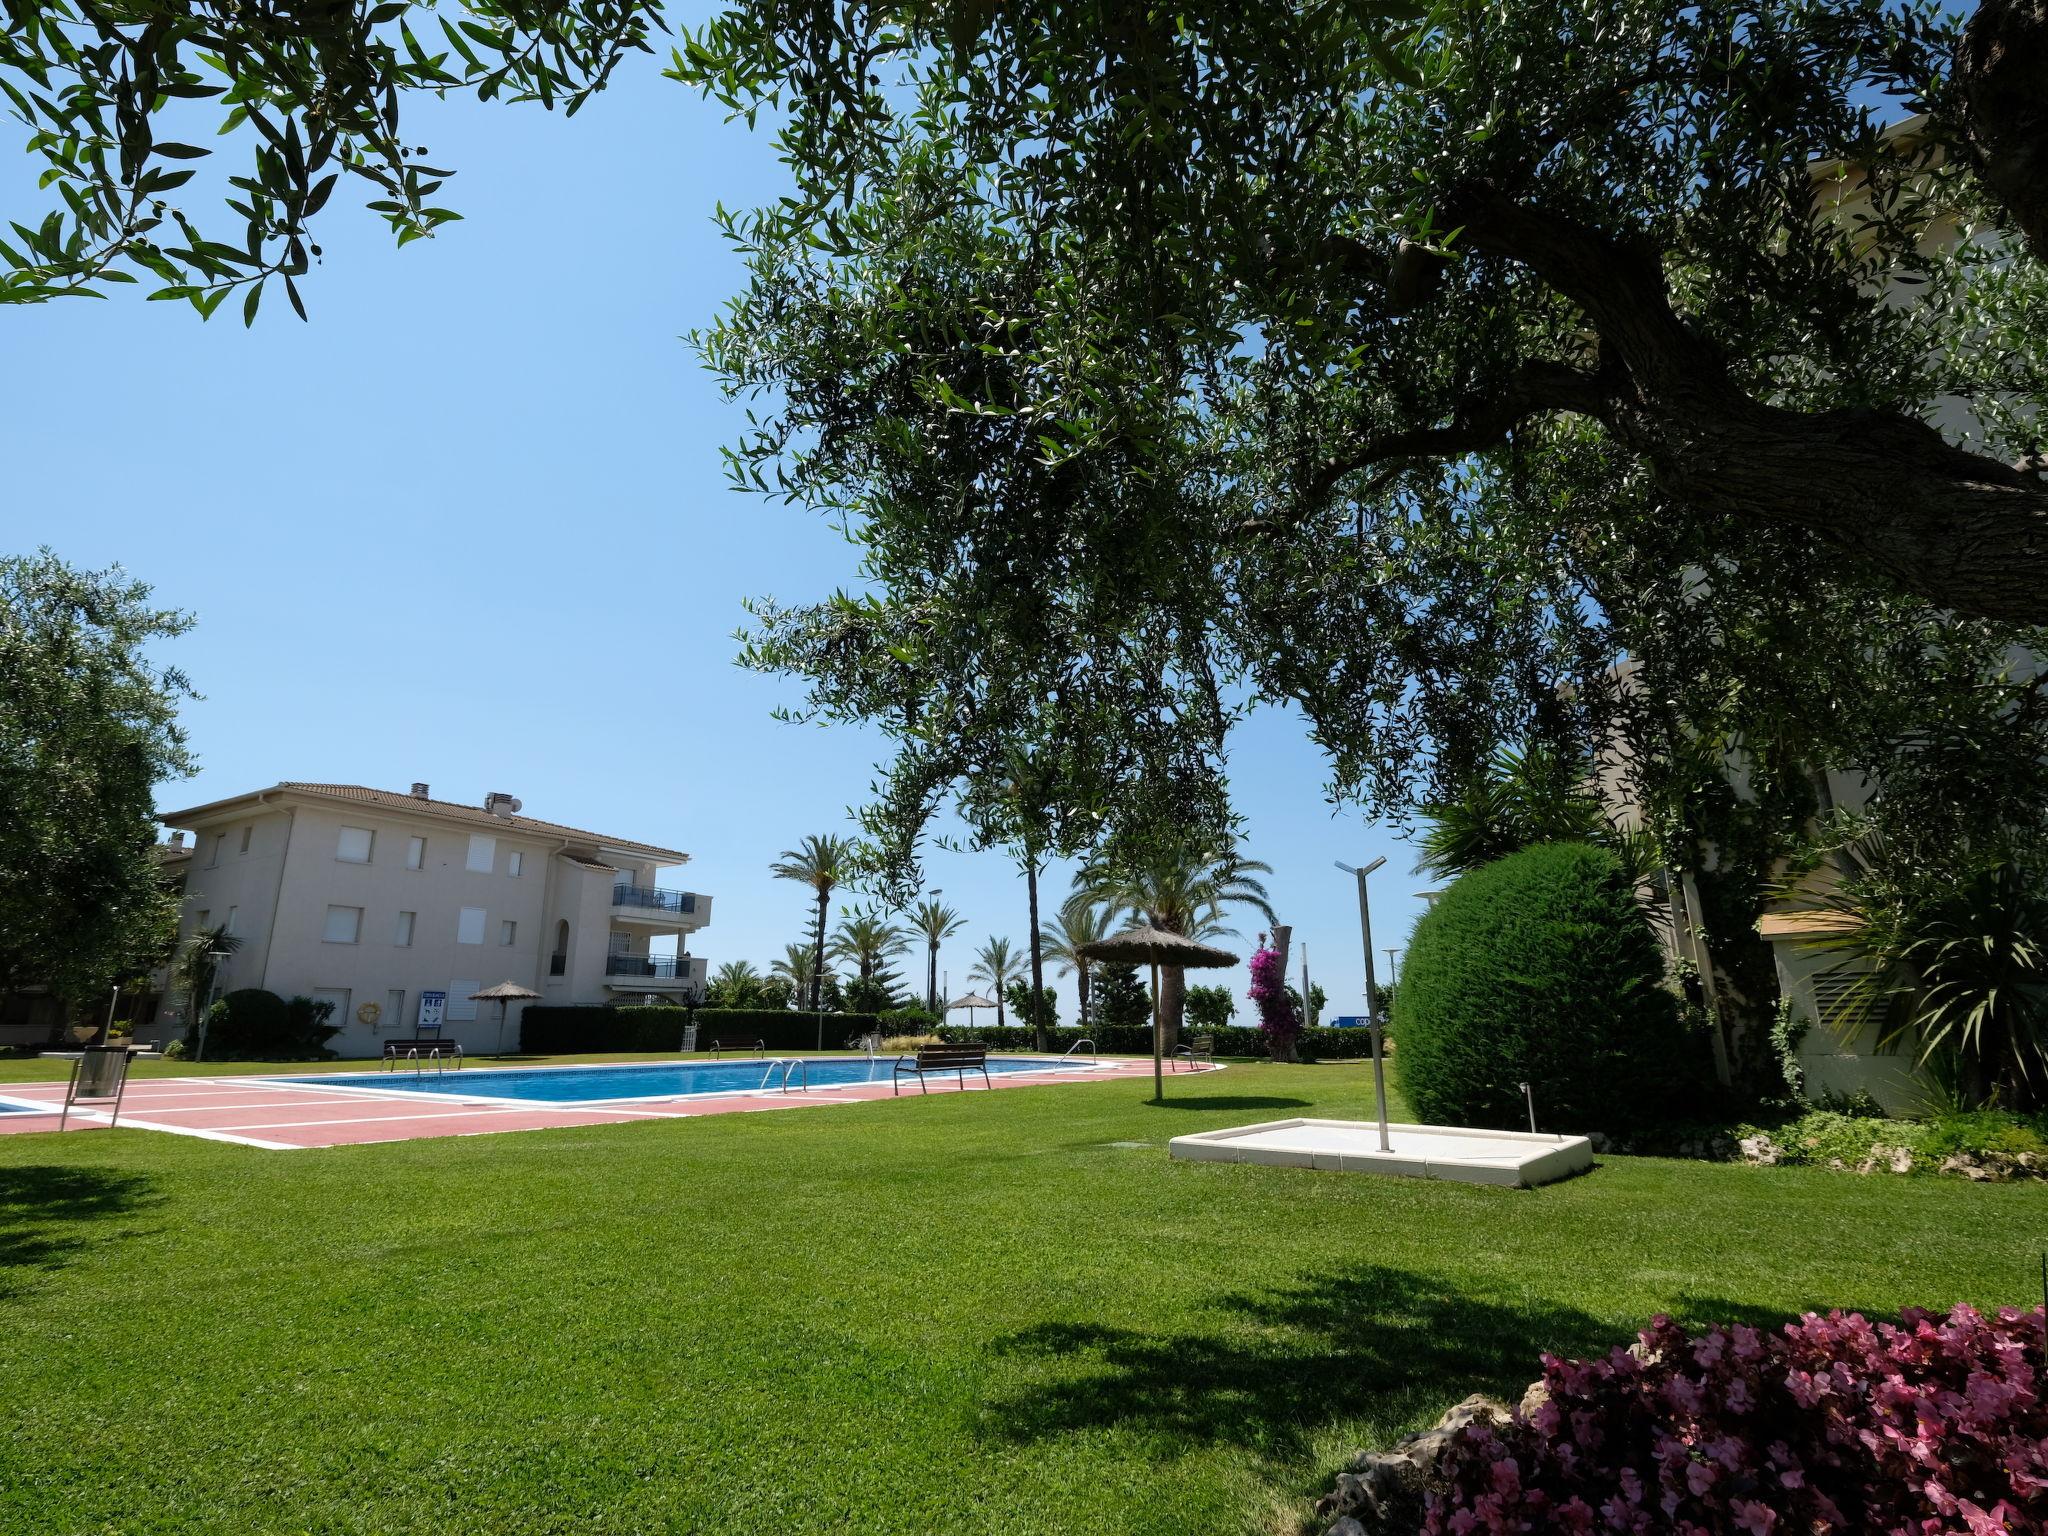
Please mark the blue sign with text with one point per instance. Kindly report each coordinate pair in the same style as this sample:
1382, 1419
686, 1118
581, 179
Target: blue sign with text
1351, 1021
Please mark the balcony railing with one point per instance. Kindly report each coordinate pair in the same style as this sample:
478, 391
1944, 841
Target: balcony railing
684, 902
659, 967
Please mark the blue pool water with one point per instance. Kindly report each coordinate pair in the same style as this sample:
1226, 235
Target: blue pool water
581, 1085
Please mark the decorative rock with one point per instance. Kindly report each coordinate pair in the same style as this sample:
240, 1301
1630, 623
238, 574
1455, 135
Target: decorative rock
1759, 1149
1381, 1494
1533, 1399
1967, 1166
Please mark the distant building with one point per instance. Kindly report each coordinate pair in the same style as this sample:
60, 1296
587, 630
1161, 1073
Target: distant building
370, 899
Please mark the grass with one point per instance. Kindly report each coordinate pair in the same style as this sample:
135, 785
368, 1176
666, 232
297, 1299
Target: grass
960, 1313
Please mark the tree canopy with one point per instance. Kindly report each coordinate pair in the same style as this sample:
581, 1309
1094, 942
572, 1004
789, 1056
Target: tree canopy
119, 102
88, 725
1418, 364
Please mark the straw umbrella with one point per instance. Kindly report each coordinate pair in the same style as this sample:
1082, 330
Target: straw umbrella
1156, 947
504, 994
970, 1002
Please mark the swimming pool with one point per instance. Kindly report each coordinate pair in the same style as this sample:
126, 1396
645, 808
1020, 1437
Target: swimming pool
659, 1080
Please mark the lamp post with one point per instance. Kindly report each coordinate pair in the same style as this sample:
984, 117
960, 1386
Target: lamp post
216, 958
1372, 999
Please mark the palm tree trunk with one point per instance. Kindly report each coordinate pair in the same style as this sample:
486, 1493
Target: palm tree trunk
1173, 1001
999, 1005
1081, 986
1041, 1036
931, 977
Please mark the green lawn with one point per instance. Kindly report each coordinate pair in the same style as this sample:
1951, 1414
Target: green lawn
976, 1314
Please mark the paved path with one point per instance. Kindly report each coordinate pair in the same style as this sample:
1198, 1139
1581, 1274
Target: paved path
258, 1111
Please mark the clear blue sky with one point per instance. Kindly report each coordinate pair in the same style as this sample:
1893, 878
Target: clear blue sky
469, 525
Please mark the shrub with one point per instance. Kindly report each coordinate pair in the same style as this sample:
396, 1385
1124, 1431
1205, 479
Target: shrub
1118, 999
1539, 968
252, 1024
903, 1045
1279, 1016
1210, 1008
175, 1051
1831, 1424
909, 1021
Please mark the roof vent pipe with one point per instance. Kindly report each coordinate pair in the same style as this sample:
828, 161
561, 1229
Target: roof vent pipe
419, 790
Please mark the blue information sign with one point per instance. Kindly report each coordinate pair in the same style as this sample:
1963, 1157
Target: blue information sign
1351, 1021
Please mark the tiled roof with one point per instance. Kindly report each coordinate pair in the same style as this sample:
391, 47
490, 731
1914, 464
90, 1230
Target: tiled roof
448, 810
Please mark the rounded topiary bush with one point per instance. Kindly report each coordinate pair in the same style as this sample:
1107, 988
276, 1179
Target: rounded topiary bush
1538, 968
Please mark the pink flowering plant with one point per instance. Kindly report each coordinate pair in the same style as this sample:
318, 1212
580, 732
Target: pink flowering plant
1278, 1020
1833, 1424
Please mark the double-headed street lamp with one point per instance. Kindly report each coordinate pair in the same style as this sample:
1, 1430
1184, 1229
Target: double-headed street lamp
1372, 998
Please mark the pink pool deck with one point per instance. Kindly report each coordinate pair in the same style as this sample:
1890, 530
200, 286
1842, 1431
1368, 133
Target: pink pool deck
258, 1111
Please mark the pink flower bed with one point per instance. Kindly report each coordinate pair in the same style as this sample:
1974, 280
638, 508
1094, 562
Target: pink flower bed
1832, 1424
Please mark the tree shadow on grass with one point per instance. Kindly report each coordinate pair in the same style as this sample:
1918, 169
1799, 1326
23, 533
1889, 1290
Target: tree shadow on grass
1278, 1366
47, 1212
1230, 1102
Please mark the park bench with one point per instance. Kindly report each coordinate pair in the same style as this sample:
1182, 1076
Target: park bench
737, 1043
1197, 1052
422, 1048
957, 1059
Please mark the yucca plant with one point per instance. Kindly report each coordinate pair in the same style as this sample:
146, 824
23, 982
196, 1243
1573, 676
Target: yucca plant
1953, 962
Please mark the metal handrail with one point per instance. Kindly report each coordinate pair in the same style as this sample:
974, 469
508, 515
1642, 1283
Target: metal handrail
788, 1064
1084, 1040
684, 902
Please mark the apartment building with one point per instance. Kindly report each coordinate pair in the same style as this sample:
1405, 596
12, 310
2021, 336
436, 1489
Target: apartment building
378, 901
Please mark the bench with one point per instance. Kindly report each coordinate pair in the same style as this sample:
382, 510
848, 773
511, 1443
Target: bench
1201, 1050
424, 1048
957, 1059
737, 1043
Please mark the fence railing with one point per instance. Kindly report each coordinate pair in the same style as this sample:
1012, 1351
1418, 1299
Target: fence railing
660, 967
684, 902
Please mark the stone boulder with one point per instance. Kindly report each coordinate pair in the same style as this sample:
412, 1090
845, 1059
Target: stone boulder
1380, 1494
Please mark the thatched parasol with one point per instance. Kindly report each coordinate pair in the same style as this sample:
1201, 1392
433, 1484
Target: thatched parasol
970, 1002
1156, 947
504, 994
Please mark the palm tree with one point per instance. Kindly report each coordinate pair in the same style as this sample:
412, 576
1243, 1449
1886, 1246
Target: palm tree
868, 943
1182, 889
937, 923
1516, 799
821, 863
799, 967
197, 967
1081, 920
995, 965
737, 985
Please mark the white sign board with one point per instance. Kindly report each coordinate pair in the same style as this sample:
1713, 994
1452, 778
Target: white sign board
433, 1006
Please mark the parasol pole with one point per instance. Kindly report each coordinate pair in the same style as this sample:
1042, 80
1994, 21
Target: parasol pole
1158, 1036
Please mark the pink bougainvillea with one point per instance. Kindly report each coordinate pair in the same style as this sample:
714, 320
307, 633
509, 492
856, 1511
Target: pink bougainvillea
1278, 1020
1832, 1424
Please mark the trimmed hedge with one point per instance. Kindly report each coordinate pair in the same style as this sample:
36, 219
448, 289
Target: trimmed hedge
1128, 1040
1541, 968
546, 1030
254, 1025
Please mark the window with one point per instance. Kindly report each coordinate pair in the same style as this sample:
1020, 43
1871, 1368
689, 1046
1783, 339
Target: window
470, 930
354, 847
233, 913
344, 925
416, 853
247, 832
406, 920
220, 841
515, 863
508, 932
460, 1004
202, 921
483, 853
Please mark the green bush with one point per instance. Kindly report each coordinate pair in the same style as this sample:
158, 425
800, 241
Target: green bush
546, 1030
254, 1025
1209, 1009
1541, 968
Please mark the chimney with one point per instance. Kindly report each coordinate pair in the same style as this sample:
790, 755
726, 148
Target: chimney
498, 803
177, 839
419, 790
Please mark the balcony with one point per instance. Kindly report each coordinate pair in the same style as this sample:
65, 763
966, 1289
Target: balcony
651, 967
647, 898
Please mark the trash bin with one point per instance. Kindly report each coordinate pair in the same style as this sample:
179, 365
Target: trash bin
101, 1071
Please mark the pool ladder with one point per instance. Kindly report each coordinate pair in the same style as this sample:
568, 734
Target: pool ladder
1084, 1040
788, 1064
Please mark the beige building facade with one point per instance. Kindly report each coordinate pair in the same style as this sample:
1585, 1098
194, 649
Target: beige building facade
377, 901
